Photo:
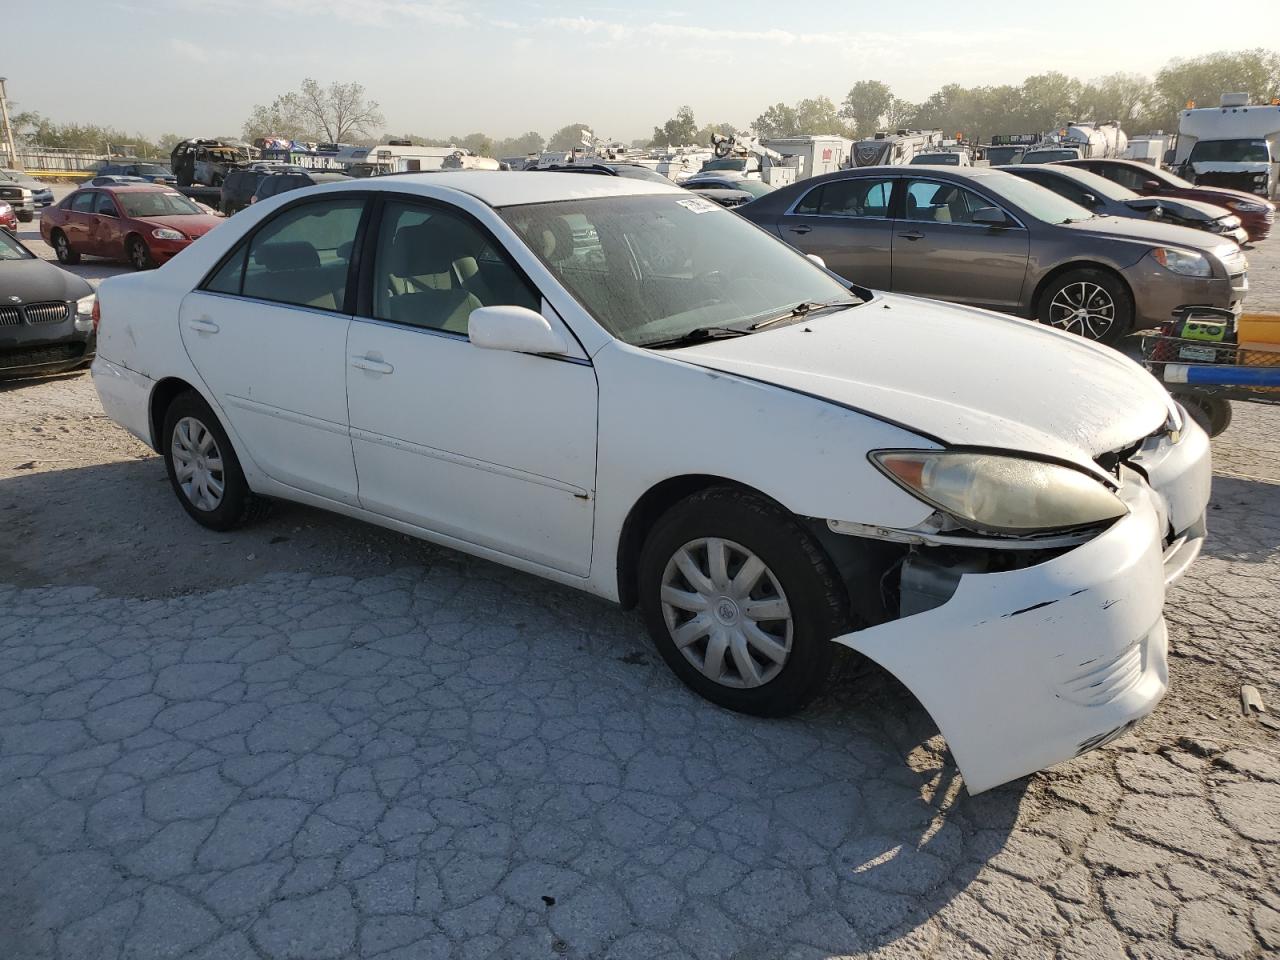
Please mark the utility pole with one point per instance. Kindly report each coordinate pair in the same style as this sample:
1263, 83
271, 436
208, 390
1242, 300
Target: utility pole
8, 127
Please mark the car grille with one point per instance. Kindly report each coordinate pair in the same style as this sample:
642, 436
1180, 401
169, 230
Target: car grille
10, 193
33, 357
10, 316
45, 312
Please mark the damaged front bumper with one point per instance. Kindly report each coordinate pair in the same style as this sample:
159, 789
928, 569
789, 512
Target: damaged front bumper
1022, 669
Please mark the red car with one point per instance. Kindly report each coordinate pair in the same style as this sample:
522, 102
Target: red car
1256, 214
8, 219
144, 224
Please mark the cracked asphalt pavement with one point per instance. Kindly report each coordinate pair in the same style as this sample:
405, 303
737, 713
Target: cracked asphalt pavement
316, 739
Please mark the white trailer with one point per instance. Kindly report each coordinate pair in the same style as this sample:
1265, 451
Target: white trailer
893, 148
814, 155
394, 157
1235, 145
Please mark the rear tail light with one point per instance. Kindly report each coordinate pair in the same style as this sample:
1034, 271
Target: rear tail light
97, 315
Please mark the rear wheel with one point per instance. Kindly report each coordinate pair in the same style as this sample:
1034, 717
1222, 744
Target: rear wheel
203, 468
62, 247
1092, 303
139, 257
741, 601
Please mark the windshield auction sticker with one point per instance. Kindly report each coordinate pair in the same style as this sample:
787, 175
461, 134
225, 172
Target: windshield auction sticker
697, 205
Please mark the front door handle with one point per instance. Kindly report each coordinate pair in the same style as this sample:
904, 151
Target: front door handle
372, 365
203, 325
912, 235
803, 228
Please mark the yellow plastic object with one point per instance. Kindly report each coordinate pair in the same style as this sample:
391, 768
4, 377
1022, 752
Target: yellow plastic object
1259, 328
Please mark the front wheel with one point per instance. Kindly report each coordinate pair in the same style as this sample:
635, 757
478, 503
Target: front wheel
26, 216
1092, 303
138, 255
62, 248
203, 468
742, 601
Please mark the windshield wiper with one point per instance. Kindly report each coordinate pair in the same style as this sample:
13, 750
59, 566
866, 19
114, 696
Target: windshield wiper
698, 335
803, 309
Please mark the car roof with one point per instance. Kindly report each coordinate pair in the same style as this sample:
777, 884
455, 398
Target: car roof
134, 188
505, 188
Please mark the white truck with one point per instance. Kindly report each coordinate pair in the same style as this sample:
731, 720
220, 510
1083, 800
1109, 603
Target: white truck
893, 148
1080, 141
746, 155
1234, 145
814, 155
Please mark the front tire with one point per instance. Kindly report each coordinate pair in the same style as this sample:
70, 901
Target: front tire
62, 249
203, 468
136, 252
26, 217
742, 601
1092, 303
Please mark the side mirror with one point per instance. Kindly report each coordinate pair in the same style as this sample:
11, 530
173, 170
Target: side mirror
990, 217
817, 259
1090, 200
1151, 186
514, 329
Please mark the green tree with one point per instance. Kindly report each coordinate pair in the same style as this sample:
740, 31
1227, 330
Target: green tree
1205, 79
866, 103
332, 114
777, 121
1117, 96
520, 146
567, 137
1049, 99
478, 143
900, 114
704, 133
679, 130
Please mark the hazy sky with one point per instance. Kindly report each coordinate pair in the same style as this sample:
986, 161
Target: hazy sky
443, 67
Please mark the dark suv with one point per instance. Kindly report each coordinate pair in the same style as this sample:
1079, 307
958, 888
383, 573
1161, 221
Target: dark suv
238, 188
274, 183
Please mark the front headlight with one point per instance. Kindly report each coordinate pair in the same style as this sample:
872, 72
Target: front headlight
84, 311
1186, 262
1246, 206
995, 493
165, 233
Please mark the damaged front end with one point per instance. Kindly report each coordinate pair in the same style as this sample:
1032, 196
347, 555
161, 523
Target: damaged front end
1031, 648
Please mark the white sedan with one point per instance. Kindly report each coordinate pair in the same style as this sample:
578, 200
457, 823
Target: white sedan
625, 388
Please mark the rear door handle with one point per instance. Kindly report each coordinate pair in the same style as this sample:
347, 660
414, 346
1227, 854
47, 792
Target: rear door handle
803, 228
202, 325
912, 235
372, 365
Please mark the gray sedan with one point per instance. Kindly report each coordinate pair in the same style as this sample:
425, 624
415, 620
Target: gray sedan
990, 239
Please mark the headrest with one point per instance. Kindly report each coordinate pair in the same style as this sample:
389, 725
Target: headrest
433, 246
295, 255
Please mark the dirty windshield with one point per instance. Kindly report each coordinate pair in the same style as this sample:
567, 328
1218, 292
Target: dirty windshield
1230, 151
653, 269
156, 204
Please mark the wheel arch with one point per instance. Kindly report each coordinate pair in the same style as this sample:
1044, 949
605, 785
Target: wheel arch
1071, 265
163, 394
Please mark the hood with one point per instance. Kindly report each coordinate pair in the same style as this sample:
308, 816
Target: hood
967, 377
1211, 194
1188, 209
193, 225
37, 281
1150, 232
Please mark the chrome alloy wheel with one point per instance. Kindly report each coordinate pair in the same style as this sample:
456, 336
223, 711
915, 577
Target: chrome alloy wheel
1083, 308
197, 463
727, 612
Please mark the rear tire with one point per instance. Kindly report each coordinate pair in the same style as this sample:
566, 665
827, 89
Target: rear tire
1088, 302
754, 630
203, 468
136, 252
62, 248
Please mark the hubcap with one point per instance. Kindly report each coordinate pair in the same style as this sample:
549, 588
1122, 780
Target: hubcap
1083, 308
197, 463
726, 612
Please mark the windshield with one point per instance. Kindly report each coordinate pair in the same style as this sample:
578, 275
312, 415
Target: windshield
158, 204
1099, 186
757, 188
945, 159
654, 268
1050, 156
1040, 202
640, 173
11, 249
1230, 151
727, 163
1002, 155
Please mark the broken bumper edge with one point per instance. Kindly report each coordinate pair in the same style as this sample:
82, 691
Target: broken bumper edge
1027, 668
